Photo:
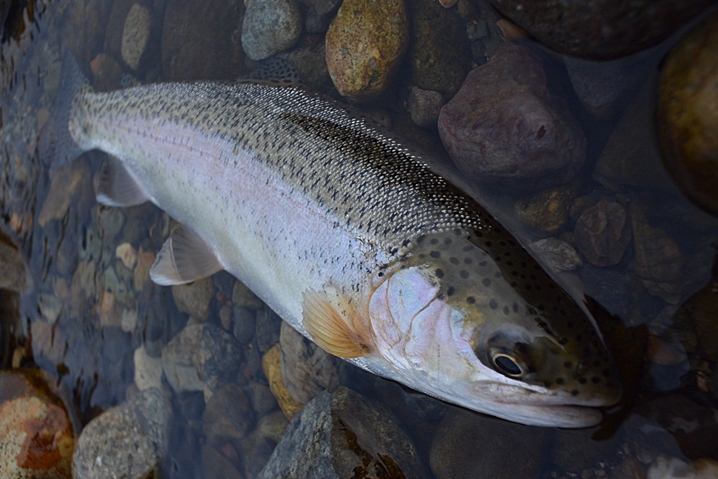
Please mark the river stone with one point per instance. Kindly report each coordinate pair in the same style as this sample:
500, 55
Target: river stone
365, 45
603, 232
306, 369
228, 415
194, 298
688, 114
135, 35
440, 54
454, 451
505, 124
272, 368
12, 267
547, 210
36, 431
698, 312
556, 253
424, 106
341, 435
200, 355
126, 441
216, 465
270, 27
601, 29
201, 40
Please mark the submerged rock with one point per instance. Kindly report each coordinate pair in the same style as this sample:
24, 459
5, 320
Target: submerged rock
227, 415
424, 106
688, 117
135, 35
194, 298
199, 356
455, 451
603, 233
127, 441
306, 369
37, 434
272, 367
547, 210
344, 435
12, 267
505, 124
270, 27
558, 255
602, 29
440, 53
365, 44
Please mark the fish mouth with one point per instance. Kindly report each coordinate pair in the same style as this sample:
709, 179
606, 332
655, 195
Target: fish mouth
557, 415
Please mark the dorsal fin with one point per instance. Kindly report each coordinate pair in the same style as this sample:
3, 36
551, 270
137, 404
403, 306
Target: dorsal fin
118, 187
184, 258
273, 71
329, 329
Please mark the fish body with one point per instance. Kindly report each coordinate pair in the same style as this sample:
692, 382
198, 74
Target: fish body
349, 237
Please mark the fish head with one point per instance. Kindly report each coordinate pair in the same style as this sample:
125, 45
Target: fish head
455, 320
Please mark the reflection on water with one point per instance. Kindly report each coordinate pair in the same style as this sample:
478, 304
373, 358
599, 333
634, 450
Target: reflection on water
209, 369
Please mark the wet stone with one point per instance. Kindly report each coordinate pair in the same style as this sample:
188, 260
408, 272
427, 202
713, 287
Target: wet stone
243, 297
12, 267
260, 397
306, 369
547, 210
366, 42
194, 298
454, 452
256, 448
267, 329
106, 73
557, 254
272, 367
344, 435
658, 259
227, 416
440, 54
216, 465
505, 124
600, 30
270, 27
609, 287
201, 40
243, 324
36, 431
688, 118
127, 441
699, 313
603, 233
148, 370
135, 35
309, 61
575, 449
200, 355
424, 106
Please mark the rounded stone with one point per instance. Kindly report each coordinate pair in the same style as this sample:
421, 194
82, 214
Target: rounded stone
194, 298
126, 441
365, 45
424, 106
600, 29
269, 27
135, 34
688, 114
272, 367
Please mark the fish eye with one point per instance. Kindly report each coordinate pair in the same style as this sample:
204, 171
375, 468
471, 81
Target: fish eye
507, 365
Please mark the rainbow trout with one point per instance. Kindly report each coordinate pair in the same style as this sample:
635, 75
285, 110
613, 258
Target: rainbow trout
348, 236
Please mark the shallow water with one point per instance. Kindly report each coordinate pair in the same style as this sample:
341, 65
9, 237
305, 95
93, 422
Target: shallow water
83, 312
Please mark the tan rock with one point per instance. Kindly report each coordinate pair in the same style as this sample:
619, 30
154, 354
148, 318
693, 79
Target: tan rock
547, 210
688, 113
136, 34
365, 45
272, 367
64, 183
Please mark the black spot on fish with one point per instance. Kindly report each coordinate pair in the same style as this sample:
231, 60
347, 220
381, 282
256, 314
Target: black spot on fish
483, 263
435, 254
595, 380
582, 380
574, 392
559, 381
468, 261
493, 304
470, 300
439, 273
486, 282
488, 244
464, 274
506, 310
568, 365
447, 241
450, 291
454, 260
434, 241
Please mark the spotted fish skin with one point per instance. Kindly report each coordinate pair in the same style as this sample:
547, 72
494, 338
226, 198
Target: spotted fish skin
294, 193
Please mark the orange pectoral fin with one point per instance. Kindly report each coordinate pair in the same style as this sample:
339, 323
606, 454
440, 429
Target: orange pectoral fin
329, 329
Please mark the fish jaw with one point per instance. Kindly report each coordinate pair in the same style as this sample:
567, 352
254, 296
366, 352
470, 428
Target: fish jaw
420, 338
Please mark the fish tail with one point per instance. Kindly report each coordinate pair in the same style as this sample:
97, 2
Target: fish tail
57, 146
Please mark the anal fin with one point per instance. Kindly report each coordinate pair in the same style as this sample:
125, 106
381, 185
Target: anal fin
329, 329
184, 258
118, 187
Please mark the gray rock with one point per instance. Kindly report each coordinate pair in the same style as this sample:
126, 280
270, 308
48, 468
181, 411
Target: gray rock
454, 452
424, 106
557, 254
256, 448
135, 35
260, 397
12, 268
243, 297
217, 466
194, 298
505, 124
243, 323
270, 27
603, 232
310, 63
148, 370
228, 415
200, 355
127, 441
306, 369
343, 435
267, 330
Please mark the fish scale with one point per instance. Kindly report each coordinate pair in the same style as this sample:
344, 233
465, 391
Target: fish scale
339, 226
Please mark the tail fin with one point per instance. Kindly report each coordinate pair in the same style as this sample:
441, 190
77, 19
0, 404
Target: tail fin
56, 146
